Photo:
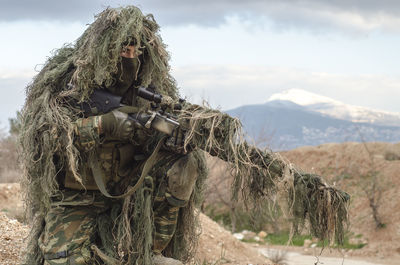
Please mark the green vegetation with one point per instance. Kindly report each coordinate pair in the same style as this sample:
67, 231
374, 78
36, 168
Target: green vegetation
347, 245
246, 221
9, 167
358, 236
298, 240
243, 220
283, 238
237, 218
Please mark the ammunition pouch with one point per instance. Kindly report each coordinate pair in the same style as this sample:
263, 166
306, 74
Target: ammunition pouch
115, 161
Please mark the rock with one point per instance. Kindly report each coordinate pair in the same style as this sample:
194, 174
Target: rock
307, 243
238, 236
13, 221
262, 234
248, 234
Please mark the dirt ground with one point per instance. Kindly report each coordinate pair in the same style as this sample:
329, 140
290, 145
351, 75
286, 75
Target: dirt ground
218, 246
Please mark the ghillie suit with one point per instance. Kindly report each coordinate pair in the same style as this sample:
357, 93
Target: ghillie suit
125, 227
50, 152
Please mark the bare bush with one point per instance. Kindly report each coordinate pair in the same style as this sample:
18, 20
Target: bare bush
10, 176
393, 152
9, 167
278, 257
371, 183
234, 212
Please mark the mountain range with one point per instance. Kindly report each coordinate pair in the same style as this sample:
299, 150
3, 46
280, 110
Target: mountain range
296, 118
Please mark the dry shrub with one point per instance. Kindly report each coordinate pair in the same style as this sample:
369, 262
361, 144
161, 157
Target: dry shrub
10, 176
9, 167
393, 152
278, 257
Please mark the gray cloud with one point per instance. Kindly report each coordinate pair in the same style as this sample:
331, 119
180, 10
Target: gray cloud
357, 15
72, 10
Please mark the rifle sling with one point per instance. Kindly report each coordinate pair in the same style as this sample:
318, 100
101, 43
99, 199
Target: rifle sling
98, 174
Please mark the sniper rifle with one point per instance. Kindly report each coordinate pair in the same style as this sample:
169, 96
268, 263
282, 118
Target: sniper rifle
101, 101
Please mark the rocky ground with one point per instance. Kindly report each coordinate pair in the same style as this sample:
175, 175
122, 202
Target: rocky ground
12, 234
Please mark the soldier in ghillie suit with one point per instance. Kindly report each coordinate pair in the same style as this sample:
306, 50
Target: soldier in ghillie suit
103, 189
65, 150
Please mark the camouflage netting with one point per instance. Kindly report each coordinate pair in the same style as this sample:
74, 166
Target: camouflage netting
47, 145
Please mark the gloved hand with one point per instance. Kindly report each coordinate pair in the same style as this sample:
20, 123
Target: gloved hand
116, 124
176, 142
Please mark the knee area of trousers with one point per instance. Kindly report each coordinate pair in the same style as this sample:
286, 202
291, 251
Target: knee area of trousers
182, 177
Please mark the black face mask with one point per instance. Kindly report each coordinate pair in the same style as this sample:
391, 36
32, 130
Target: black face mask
126, 75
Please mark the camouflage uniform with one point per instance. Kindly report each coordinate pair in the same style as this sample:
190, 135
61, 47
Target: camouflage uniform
70, 228
71, 224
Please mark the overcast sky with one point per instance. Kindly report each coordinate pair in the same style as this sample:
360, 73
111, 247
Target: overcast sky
229, 52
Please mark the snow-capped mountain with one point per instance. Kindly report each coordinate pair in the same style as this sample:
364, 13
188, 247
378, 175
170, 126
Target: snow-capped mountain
337, 109
296, 117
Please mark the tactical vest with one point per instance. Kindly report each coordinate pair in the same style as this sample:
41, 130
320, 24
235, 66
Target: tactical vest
117, 159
